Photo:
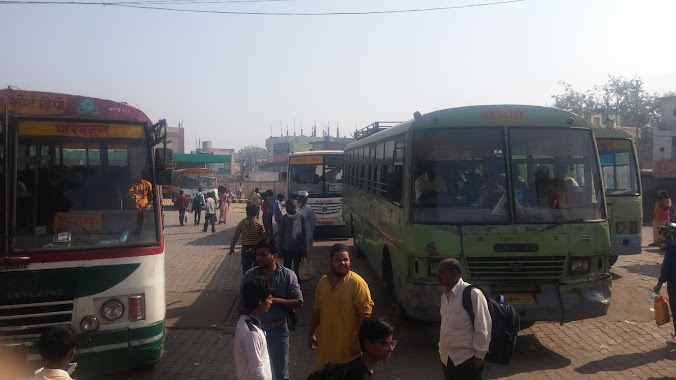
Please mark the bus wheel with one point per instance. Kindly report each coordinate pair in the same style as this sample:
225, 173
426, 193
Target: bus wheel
613, 260
527, 325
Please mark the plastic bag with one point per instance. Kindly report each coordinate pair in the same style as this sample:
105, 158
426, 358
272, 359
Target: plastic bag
661, 311
305, 269
185, 219
189, 208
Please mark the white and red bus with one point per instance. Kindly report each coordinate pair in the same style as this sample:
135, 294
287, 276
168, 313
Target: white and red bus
81, 238
320, 173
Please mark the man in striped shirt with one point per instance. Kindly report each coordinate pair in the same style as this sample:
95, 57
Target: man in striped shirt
252, 232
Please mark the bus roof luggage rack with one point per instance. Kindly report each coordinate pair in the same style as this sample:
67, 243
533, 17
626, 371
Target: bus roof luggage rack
374, 128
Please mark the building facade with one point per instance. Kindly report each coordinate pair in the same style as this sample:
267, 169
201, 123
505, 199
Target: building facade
221, 168
176, 139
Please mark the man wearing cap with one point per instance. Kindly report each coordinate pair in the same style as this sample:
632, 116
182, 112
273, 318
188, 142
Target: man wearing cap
309, 215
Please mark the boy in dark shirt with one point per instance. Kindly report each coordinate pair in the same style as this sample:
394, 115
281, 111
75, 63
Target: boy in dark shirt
375, 339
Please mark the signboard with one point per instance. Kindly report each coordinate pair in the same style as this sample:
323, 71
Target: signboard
665, 169
67, 222
614, 144
78, 129
306, 160
504, 115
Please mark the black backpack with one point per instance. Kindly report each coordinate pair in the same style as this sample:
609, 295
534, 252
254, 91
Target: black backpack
330, 371
505, 324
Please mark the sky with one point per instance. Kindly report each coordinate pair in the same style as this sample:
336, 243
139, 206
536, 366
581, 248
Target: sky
233, 79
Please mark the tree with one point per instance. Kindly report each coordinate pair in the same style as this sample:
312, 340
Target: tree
248, 156
621, 99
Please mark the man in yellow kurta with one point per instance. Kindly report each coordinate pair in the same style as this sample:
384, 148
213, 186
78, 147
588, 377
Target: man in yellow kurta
342, 302
142, 193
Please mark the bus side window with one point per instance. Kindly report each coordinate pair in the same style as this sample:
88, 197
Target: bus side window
395, 183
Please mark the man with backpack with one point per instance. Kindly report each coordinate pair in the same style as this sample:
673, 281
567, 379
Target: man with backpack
197, 203
462, 344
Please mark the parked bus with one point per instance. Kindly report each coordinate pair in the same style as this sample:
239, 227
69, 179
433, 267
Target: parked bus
620, 170
81, 237
513, 192
189, 180
320, 173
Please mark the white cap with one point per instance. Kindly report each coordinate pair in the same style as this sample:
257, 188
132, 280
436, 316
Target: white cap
303, 193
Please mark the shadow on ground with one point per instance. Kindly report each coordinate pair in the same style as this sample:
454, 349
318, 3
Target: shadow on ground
650, 270
618, 363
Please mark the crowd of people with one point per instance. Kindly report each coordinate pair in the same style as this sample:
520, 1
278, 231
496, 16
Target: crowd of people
349, 341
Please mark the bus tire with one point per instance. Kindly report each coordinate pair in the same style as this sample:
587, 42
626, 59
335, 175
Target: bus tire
613, 260
527, 325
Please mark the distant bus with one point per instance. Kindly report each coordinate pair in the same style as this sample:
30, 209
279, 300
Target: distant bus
513, 192
620, 170
320, 173
189, 180
81, 237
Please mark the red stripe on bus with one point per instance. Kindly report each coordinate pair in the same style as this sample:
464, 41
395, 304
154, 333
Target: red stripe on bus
100, 254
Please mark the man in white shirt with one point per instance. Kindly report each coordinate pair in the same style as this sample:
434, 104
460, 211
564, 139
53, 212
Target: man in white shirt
462, 346
251, 348
210, 217
310, 217
428, 184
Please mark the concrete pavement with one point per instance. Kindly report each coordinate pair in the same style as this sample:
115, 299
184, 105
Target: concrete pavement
202, 282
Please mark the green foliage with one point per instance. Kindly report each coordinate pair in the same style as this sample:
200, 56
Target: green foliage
619, 99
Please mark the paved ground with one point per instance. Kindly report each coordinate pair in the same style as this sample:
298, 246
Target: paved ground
201, 287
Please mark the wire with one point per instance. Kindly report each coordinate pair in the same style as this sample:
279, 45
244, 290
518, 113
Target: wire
134, 5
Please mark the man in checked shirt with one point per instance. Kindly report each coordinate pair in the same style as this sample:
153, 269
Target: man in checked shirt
252, 232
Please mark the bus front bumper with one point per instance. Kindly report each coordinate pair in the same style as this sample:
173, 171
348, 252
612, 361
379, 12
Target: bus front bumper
118, 350
553, 302
105, 352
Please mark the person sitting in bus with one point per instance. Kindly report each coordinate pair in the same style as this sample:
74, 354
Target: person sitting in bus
566, 188
491, 192
542, 193
429, 184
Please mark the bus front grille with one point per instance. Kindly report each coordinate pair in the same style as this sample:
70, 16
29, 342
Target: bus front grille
516, 267
329, 209
26, 321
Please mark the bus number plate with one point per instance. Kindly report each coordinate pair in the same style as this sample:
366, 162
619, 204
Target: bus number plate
519, 298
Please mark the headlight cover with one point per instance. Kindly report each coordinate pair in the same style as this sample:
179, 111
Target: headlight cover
112, 309
579, 265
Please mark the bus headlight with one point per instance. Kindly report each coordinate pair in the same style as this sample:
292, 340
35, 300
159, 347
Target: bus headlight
579, 265
112, 309
89, 324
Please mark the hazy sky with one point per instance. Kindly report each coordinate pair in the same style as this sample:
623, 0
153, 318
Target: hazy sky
230, 77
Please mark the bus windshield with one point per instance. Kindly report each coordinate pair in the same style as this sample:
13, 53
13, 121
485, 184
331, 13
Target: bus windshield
83, 192
618, 166
318, 175
192, 180
461, 176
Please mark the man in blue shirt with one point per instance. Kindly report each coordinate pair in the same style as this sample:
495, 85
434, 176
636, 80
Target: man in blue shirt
668, 275
286, 295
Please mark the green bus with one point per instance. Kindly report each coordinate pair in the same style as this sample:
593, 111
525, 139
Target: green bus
513, 192
622, 180
81, 237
